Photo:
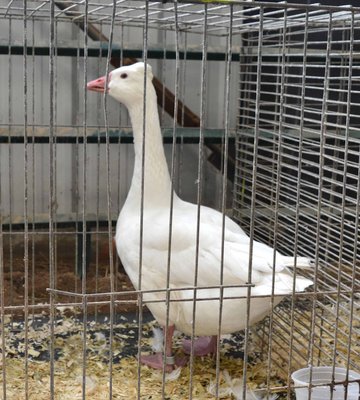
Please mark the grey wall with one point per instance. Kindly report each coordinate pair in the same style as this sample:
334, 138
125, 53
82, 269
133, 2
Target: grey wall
70, 99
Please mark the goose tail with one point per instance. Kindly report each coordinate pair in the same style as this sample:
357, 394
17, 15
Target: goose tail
298, 262
285, 283
302, 283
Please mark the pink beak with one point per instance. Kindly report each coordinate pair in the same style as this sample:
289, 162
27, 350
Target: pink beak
98, 85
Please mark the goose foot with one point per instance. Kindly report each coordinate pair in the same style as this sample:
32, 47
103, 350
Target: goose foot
157, 361
203, 346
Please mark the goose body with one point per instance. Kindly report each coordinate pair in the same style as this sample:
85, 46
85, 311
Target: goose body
187, 258
183, 265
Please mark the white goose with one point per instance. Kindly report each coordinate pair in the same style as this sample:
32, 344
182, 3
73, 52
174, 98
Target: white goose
126, 85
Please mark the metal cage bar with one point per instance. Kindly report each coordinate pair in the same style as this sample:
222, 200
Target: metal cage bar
296, 187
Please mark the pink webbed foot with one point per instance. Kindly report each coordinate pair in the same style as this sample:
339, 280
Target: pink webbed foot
203, 346
157, 361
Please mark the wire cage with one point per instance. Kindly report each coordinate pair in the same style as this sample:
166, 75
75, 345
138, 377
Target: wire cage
298, 169
259, 107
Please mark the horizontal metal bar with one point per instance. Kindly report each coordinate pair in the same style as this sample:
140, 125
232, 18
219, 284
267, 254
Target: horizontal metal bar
43, 306
310, 294
308, 133
152, 291
291, 210
297, 53
71, 50
40, 134
61, 220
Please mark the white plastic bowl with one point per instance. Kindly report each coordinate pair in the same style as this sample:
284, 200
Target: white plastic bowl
323, 375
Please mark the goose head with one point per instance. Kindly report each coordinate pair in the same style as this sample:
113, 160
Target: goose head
125, 84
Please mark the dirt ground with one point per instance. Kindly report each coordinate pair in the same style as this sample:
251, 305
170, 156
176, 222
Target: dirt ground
66, 277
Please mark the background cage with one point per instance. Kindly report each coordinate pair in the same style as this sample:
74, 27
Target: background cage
298, 163
278, 115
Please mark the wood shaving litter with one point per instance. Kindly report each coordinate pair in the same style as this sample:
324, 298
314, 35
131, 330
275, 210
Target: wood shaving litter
69, 371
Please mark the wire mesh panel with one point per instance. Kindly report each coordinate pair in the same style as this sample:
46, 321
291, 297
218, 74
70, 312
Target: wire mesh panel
74, 325
297, 172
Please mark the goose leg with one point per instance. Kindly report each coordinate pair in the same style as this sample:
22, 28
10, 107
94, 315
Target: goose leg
157, 360
203, 346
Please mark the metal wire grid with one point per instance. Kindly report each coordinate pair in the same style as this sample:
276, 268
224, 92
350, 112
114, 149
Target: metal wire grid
28, 231
190, 15
33, 225
276, 141
297, 177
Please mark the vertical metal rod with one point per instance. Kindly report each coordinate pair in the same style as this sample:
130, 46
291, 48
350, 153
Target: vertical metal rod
199, 187
180, 158
141, 232
349, 70
121, 123
84, 207
172, 194
26, 211
84, 170
98, 180
10, 172
76, 167
182, 95
319, 205
121, 160
55, 154
357, 202
51, 197
298, 192
33, 186
218, 199
2, 277
277, 191
2, 311
75, 116
108, 196
163, 74
253, 195
275, 166
224, 186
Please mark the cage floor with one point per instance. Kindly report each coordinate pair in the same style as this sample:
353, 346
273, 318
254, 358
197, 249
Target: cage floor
68, 351
82, 348
69, 366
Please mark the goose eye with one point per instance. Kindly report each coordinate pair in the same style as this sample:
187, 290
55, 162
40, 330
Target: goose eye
123, 76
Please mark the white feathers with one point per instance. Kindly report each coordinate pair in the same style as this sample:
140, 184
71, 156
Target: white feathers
173, 376
157, 342
235, 387
100, 337
170, 376
91, 383
217, 249
221, 392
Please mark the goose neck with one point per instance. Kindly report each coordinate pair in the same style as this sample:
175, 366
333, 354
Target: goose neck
154, 171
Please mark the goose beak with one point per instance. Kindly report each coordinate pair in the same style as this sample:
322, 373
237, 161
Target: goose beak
98, 85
